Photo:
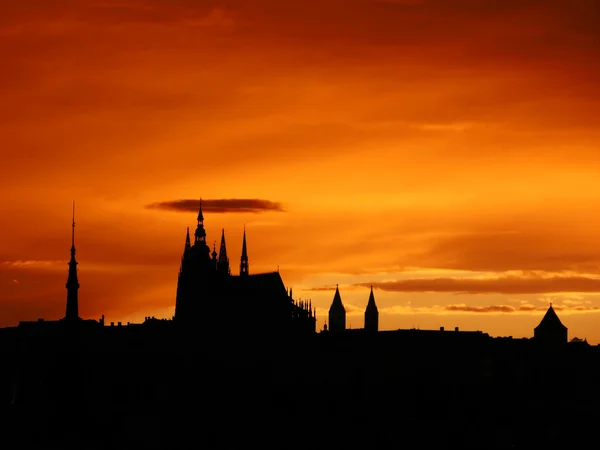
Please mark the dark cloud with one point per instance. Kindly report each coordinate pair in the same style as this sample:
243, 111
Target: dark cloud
230, 205
499, 285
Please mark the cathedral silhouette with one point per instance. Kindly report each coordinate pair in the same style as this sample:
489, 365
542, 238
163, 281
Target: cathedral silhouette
245, 303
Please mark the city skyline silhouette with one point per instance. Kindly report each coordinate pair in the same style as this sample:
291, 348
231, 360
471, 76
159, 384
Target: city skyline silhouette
445, 154
242, 348
344, 224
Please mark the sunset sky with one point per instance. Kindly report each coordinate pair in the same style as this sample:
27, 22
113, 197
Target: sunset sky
445, 151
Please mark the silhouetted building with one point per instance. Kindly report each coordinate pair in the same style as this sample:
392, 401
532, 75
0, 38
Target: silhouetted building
71, 320
210, 298
72, 310
337, 313
371, 314
551, 331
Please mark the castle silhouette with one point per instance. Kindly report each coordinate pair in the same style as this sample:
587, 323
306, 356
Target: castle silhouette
241, 363
254, 305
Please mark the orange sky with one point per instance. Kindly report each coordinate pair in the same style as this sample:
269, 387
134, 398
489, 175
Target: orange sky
445, 151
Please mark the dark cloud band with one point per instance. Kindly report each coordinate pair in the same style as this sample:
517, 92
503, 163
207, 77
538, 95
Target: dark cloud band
231, 205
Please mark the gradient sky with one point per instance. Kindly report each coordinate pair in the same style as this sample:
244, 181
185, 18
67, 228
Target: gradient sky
445, 151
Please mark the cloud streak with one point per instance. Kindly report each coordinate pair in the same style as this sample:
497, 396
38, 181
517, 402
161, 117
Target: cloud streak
498, 285
512, 309
231, 205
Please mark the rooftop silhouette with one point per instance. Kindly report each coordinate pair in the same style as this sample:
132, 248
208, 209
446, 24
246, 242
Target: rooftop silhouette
241, 352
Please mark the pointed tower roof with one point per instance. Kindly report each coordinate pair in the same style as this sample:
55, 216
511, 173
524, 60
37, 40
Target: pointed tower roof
371, 306
187, 241
200, 215
550, 320
244, 258
337, 300
244, 249
223, 249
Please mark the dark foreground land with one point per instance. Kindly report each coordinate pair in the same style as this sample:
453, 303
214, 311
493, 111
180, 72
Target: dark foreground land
321, 391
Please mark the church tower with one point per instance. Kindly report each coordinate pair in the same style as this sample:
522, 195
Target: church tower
337, 313
244, 258
72, 282
195, 275
371, 314
223, 261
200, 259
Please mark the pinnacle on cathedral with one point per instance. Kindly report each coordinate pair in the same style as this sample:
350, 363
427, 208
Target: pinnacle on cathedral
188, 244
223, 261
244, 258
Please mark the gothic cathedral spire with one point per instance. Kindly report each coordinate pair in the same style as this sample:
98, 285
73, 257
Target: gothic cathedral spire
72, 286
244, 258
223, 262
200, 233
188, 244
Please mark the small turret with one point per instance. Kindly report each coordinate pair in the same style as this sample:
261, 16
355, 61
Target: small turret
214, 255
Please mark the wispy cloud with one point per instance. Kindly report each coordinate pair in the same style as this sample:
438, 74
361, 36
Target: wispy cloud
498, 285
230, 205
512, 309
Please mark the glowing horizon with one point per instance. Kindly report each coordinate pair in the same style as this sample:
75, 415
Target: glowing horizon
446, 154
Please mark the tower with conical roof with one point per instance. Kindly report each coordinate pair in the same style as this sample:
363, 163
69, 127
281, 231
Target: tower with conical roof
337, 313
223, 261
371, 314
72, 286
244, 258
551, 331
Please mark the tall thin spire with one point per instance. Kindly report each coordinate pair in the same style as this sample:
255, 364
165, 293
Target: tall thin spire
72, 310
200, 215
188, 244
223, 263
244, 258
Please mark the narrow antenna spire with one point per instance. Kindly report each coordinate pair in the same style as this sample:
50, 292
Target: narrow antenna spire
73, 230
